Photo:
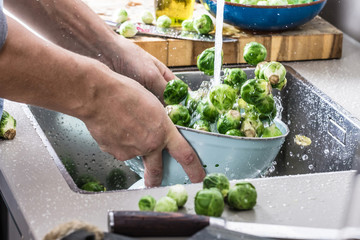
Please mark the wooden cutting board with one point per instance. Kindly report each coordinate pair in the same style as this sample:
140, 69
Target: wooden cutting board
317, 39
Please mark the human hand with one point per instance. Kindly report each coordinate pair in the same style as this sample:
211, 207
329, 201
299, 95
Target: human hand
128, 121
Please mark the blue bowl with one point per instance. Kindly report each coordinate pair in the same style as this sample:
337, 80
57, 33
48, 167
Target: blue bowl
266, 18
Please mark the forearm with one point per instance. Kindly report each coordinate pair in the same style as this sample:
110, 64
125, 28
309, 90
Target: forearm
68, 23
40, 73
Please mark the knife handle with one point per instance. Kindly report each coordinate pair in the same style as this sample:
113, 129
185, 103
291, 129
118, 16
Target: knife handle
155, 224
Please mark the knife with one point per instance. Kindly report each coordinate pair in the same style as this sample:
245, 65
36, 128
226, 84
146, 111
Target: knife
152, 30
157, 224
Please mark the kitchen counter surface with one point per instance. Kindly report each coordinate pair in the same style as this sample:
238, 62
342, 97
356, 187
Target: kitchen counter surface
40, 199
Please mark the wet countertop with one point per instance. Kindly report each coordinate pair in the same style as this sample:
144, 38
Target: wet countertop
40, 199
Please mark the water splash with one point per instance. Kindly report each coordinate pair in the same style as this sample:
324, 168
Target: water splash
218, 41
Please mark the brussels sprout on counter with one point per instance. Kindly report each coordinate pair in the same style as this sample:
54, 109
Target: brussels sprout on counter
254, 53
205, 61
7, 126
175, 91
163, 21
223, 97
93, 187
120, 15
255, 90
127, 29
271, 131
147, 203
166, 204
116, 179
242, 196
179, 194
217, 180
229, 120
147, 17
209, 202
235, 77
203, 24
206, 111
202, 125
178, 114
188, 25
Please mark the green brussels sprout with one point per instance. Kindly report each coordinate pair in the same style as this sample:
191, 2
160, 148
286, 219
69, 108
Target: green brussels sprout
202, 125
178, 114
120, 16
166, 204
229, 120
274, 72
93, 187
266, 106
127, 29
7, 126
258, 73
280, 85
209, 202
271, 131
175, 91
206, 111
254, 53
70, 166
278, 2
248, 2
242, 196
205, 61
217, 180
203, 24
192, 100
188, 25
147, 203
223, 97
116, 179
251, 126
147, 17
255, 90
163, 21
235, 77
234, 132
179, 194
83, 179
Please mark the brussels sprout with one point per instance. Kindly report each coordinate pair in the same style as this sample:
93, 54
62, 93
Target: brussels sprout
188, 25
203, 24
235, 77
209, 202
248, 2
266, 106
274, 72
280, 85
258, 73
83, 179
70, 166
7, 126
166, 204
254, 53
235, 132
175, 91
147, 17
116, 179
229, 120
163, 21
255, 90
217, 180
223, 97
251, 126
147, 203
179, 194
127, 29
278, 2
206, 111
202, 125
120, 16
192, 100
271, 131
242, 196
178, 114
205, 61
93, 187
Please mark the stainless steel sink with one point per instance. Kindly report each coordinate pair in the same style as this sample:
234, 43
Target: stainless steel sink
335, 136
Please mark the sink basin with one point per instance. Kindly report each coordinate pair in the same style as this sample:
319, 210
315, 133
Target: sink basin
335, 136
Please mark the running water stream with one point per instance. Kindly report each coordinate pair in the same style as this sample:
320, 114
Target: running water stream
218, 41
